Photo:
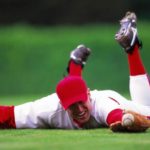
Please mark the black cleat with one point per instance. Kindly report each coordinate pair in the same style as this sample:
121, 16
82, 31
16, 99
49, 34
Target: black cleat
80, 54
127, 35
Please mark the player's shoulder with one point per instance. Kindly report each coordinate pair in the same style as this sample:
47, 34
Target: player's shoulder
50, 102
102, 93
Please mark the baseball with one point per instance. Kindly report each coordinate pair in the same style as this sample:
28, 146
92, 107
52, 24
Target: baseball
127, 119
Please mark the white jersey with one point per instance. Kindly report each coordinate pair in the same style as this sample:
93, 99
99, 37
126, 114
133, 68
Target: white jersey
48, 112
43, 113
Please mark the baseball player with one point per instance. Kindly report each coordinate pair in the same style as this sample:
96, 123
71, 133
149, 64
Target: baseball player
74, 106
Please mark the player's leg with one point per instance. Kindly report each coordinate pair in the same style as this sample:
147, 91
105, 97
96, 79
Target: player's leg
7, 119
139, 82
37, 113
78, 58
139, 79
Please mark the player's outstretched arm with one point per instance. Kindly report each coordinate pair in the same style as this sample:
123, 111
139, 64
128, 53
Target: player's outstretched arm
78, 58
131, 122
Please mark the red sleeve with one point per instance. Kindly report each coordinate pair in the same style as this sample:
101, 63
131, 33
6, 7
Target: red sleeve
114, 115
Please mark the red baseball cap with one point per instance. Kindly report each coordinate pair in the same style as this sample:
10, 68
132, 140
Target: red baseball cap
70, 90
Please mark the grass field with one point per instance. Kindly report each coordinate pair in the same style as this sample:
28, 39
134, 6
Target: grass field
72, 139
41, 139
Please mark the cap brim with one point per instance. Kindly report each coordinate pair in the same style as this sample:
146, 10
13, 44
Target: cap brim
68, 102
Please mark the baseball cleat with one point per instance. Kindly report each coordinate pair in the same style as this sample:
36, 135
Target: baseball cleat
127, 35
80, 54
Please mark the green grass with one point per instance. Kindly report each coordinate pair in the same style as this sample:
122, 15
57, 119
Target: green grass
29, 139
16, 100
42, 139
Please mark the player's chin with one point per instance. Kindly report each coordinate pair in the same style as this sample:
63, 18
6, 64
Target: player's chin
83, 119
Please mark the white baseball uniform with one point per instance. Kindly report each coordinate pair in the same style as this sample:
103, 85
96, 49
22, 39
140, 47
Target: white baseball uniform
48, 112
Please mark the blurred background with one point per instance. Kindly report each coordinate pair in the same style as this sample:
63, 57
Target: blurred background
36, 37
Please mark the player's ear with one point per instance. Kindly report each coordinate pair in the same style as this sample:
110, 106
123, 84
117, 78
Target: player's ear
88, 91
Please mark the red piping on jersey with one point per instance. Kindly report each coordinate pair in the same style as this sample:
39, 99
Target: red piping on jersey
114, 100
114, 115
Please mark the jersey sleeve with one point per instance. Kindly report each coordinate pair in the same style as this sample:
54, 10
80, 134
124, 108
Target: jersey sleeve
108, 107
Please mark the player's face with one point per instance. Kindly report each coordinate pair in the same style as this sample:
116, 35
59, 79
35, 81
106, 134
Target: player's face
80, 111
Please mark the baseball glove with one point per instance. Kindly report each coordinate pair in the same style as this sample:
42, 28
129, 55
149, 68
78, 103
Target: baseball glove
131, 122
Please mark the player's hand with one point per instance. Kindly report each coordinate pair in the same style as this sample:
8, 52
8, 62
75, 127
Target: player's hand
117, 127
80, 54
139, 123
131, 122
